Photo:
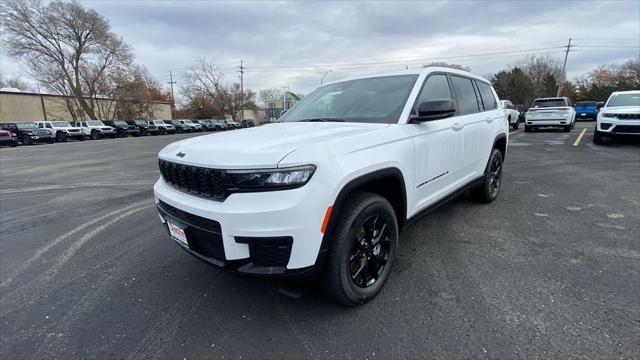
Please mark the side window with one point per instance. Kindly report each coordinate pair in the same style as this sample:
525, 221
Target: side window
488, 99
435, 88
40, 125
83, 124
465, 95
48, 126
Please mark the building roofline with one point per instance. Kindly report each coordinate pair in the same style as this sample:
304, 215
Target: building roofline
67, 96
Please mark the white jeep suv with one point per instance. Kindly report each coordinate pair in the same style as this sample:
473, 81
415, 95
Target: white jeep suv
96, 129
620, 115
554, 112
326, 190
62, 130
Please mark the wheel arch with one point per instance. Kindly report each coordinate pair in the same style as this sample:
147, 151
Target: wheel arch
375, 182
500, 143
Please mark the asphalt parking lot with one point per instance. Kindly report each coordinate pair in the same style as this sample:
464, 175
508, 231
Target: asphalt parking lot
549, 270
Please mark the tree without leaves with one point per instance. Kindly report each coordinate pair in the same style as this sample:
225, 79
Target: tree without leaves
16, 83
66, 47
270, 95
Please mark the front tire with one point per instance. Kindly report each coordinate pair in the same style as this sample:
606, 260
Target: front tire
27, 140
95, 135
61, 137
528, 128
516, 125
362, 250
566, 128
490, 187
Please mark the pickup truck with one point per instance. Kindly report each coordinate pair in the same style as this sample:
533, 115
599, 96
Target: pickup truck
510, 112
325, 191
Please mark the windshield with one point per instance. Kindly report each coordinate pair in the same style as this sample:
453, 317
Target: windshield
28, 125
586, 104
370, 100
60, 124
548, 103
624, 100
140, 122
95, 123
121, 123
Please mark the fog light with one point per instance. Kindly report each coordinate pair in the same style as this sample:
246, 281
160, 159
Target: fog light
605, 126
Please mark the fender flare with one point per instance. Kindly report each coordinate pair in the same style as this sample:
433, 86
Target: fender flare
347, 189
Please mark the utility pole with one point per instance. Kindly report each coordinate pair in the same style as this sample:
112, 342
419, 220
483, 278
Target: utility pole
173, 101
241, 91
564, 66
284, 98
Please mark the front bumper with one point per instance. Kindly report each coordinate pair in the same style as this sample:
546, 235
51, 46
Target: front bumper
75, 134
616, 126
275, 233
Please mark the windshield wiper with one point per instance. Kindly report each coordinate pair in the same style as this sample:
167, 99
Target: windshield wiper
327, 119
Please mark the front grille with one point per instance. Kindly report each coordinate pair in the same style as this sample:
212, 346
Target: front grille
628, 116
628, 129
42, 133
203, 235
190, 219
205, 182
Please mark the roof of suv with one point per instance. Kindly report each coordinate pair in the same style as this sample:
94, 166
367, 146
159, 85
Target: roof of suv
418, 71
626, 92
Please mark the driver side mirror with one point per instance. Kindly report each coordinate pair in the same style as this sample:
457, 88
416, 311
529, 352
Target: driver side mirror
434, 110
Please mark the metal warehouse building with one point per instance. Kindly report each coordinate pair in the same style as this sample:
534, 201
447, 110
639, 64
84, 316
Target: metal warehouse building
23, 106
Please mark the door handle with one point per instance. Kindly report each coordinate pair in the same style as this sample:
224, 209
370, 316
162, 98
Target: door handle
457, 126
489, 119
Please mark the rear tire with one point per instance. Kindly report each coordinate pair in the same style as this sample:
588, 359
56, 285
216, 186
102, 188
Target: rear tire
94, 135
61, 137
362, 250
516, 125
122, 133
490, 187
14, 143
179, 130
528, 128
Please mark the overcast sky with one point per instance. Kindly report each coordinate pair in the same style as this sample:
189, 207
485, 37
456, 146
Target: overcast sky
294, 43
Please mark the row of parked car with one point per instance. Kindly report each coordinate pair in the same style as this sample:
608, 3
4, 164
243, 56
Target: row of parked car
28, 133
517, 114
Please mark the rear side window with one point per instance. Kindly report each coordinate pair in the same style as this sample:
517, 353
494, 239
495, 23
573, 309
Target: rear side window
488, 100
435, 88
465, 95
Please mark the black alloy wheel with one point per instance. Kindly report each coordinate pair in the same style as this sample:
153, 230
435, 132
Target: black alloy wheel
27, 140
495, 176
490, 187
370, 251
95, 135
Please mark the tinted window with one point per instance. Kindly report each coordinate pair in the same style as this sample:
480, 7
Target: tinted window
465, 95
549, 103
488, 100
435, 88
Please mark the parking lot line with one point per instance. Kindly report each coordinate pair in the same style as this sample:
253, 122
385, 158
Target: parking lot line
513, 132
577, 142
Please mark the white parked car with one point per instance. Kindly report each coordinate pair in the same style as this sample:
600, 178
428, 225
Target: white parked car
327, 189
194, 126
512, 115
62, 130
163, 127
95, 129
550, 112
620, 115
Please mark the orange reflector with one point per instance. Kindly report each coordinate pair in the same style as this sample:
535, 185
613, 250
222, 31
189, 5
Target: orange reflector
325, 222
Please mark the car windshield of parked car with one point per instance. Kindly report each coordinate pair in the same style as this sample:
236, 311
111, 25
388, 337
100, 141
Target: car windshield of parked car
94, 123
60, 124
586, 104
369, 100
28, 125
624, 100
121, 123
140, 122
548, 103
187, 121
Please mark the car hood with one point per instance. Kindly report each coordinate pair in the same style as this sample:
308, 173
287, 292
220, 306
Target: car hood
621, 110
258, 147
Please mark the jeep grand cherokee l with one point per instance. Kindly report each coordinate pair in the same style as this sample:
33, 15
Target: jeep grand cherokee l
619, 116
550, 112
326, 190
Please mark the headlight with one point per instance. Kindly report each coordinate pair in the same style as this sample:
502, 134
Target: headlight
261, 179
608, 115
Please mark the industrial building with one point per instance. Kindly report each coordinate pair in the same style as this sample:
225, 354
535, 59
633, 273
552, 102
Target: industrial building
24, 106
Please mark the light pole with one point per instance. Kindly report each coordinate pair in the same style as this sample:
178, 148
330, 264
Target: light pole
324, 76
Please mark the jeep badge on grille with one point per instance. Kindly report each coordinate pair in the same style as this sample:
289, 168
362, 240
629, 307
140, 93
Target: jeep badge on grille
180, 154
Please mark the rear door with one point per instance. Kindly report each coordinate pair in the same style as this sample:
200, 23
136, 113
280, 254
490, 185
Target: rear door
472, 137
